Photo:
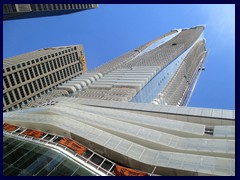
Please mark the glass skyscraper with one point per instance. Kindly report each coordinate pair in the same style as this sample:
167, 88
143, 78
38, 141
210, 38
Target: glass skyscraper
162, 71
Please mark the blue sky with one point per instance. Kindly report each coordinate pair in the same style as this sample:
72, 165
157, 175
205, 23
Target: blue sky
112, 30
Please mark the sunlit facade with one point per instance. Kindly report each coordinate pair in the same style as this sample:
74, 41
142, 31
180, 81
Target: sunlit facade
162, 71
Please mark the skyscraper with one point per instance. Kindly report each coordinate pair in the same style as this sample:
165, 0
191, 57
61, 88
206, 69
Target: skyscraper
29, 75
22, 11
126, 118
162, 71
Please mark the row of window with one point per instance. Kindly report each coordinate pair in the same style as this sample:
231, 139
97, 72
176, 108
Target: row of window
40, 84
9, 8
35, 71
8, 69
46, 7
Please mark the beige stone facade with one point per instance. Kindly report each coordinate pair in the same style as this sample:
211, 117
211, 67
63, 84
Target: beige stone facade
29, 75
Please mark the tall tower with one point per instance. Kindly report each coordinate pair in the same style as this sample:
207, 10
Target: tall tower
22, 11
162, 71
29, 75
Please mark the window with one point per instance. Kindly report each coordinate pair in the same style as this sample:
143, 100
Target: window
35, 70
39, 6
26, 89
48, 83
54, 76
45, 7
31, 73
23, 64
22, 76
39, 69
6, 81
28, 63
17, 78
16, 94
19, 66
31, 87
35, 85
51, 79
26, 74
55, 64
70, 68
33, 61
6, 99
11, 96
11, 80
43, 82
21, 91
39, 84
13, 67
51, 65
8, 69
43, 67
37, 60
48, 68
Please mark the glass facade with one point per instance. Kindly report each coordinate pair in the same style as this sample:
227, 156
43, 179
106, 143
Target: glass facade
23, 158
157, 43
157, 84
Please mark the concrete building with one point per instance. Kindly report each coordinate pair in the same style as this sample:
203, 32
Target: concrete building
124, 118
151, 139
29, 75
163, 71
23, 11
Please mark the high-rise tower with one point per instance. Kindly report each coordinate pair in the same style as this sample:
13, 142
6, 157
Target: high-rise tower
23, 11
162, 71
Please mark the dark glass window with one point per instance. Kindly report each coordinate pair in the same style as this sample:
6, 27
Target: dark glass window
22, 76
26, 89
6, 81
31, 87
11, 96
11, 80
16, 94
6, 99
21, 91
17, 78
39, 69
31, 72
26, 74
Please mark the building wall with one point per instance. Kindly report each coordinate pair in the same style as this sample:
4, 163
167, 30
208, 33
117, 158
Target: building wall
155, 68
29, 75
20, 11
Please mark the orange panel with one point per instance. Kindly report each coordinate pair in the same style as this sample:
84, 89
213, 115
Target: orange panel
73, 145
9, 127
33, 133
123, 171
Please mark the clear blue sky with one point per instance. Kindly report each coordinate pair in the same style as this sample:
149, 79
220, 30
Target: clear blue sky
111, 30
